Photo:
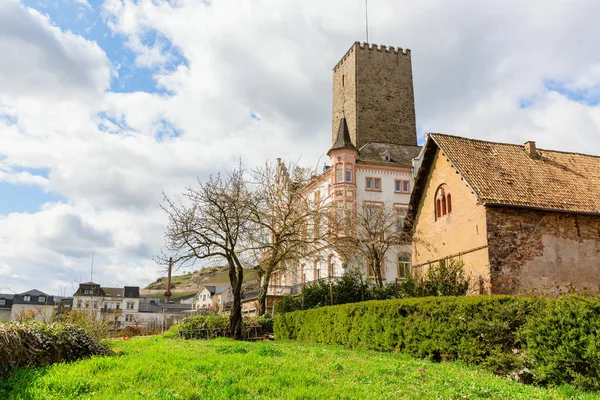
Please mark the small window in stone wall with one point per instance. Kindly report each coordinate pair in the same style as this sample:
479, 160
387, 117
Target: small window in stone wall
443, 202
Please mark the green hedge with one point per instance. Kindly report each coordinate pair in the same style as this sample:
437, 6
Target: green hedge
544, 341
37, 344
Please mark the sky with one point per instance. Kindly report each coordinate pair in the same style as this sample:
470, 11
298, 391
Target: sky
105, 105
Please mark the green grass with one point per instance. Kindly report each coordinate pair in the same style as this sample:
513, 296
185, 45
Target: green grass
206, 276
161, 368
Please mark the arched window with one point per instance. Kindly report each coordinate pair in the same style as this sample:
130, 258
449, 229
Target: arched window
443, 202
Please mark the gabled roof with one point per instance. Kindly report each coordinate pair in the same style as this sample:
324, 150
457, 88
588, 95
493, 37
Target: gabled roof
222, 289
112, 292
504, 174
211, 289
33, 292
342, 141
90, 283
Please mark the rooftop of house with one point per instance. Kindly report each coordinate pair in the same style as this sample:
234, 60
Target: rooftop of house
34, 296
502, 174
217, 289
94, 289
150, 304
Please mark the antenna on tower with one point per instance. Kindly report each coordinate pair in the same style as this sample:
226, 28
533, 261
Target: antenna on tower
367, 19
92, 269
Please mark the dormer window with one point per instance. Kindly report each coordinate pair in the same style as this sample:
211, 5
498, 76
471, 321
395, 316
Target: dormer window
42, 299
2, 302
443, 202
387, 156
26, 298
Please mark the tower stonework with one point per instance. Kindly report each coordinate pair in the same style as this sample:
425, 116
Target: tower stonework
373, 85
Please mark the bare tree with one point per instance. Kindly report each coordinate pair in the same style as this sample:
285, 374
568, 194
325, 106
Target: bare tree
282, 210
212, 225
368, 233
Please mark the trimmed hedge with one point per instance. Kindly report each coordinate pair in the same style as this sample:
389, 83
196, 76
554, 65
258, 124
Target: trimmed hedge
544, 341
36, 344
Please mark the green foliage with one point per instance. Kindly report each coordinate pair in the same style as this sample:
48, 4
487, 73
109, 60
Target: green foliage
562, 342
99, 327
36, 344
442, 279
158, 368
447, 278
555, 340
204, 326
288, 304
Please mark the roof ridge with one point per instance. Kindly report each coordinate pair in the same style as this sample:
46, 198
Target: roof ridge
512, 144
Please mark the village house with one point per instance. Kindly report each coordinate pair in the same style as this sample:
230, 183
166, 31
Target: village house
33, 304
126, 307
214, 298
6, 301
373, 143
520, 218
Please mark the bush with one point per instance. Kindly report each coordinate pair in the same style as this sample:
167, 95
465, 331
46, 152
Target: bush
36, 344
555, 340
204, 327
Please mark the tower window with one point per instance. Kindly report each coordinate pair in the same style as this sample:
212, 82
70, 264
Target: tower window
443, 202
348, 173
343, 80
339, 173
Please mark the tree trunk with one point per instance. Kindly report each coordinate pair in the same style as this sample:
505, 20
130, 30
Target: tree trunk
236, 278
262, 293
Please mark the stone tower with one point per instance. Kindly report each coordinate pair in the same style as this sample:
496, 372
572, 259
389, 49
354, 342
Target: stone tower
373, 85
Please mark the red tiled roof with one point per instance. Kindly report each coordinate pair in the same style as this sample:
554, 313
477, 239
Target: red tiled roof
505, 174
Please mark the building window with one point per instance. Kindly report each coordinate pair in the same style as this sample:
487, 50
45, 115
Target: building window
400, 215
128, 317
402, 186
403, 266
87, 304
348, 173
26, 298
371, 270
42, 299
316, 272
117, 306
373, 184
339, 173
343, 80
130, 305
443, 202
2, 302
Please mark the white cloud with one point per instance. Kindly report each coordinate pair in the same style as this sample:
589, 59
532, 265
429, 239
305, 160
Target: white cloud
112, 154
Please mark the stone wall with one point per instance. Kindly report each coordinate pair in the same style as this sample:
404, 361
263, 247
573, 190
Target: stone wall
374, 85
542, 252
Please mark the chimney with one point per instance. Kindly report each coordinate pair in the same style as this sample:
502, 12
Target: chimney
530, 148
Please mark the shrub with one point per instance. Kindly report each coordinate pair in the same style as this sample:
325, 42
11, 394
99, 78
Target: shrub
204, 326
553, 339
36, 343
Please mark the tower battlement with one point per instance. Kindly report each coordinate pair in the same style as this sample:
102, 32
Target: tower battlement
373, 85
372, 46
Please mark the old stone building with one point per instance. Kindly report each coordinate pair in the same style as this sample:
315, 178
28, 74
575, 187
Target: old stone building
374, 140
521, 219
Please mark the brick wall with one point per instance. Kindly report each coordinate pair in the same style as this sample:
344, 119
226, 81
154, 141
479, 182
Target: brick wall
542, 252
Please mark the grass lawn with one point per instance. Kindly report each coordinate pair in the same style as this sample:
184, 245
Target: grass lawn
161, 368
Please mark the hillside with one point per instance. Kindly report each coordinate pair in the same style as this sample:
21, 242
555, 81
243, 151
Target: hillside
191, 282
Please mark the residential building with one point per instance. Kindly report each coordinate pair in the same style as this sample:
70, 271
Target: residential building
6, 301
120, 304
214, 298
521, 219
34, 304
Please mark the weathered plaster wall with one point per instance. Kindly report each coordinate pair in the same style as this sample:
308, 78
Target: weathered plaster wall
461, 231
542, 252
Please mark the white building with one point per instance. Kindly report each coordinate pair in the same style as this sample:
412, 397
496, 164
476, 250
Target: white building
373, 144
